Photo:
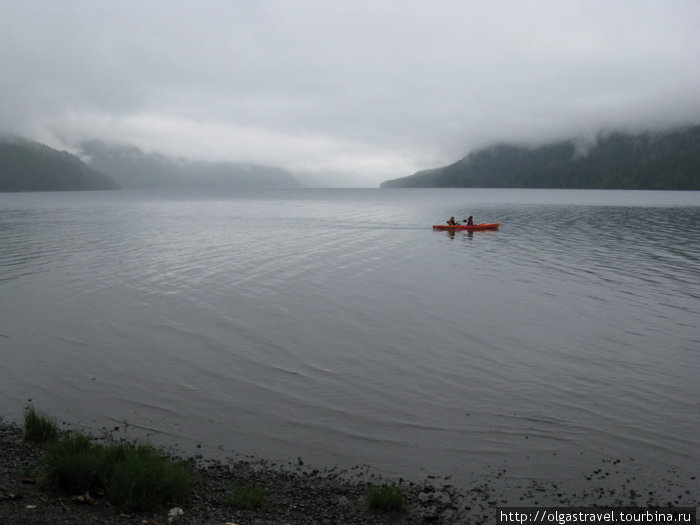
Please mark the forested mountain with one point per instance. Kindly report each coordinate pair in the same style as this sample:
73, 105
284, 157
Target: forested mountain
133, 168
659, 161
26, 165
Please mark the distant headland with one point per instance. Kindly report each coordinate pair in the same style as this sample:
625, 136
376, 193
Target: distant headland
667, 160
26, 165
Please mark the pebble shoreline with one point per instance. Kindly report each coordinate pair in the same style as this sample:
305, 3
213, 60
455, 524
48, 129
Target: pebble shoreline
294, 495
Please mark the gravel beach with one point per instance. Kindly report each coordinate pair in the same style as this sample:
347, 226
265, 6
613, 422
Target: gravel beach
297, 495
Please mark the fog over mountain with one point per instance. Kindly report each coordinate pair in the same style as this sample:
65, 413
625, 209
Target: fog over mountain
133, 168
358, 91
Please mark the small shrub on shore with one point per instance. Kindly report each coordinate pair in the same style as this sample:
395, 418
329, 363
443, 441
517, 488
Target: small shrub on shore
138, 477
385, 498
246, 497
38, 426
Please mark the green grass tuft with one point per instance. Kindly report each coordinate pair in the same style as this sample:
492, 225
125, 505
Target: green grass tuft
38, 426
246, 497
74, 465
385, 498
132, 476
144, 477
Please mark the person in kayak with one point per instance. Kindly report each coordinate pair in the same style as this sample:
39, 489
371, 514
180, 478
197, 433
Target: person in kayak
470, 221
452, 222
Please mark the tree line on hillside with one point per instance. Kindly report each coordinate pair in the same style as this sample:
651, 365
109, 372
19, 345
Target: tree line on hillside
663, 161
30, 166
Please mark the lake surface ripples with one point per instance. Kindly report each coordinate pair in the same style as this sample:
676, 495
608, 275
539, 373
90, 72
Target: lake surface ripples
336, 326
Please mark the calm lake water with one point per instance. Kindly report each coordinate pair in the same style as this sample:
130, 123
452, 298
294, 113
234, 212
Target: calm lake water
336, 326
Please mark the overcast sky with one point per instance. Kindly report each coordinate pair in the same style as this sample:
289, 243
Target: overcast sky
377, 88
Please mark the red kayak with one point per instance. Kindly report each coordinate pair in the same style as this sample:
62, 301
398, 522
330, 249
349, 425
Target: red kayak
473, 227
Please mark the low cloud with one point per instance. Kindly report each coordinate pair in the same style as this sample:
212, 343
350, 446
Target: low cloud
378, 89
